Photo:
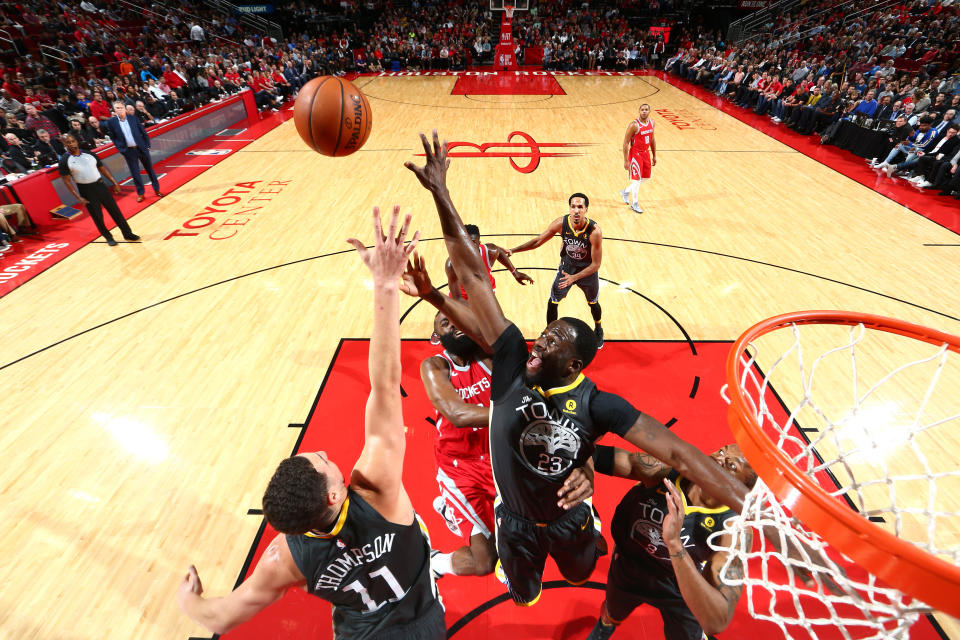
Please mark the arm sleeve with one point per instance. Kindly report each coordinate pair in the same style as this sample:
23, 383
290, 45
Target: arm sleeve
603, 459
613, 413
509, 359
62, 168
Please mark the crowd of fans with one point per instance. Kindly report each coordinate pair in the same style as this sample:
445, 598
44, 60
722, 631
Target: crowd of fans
894, 72
893, 68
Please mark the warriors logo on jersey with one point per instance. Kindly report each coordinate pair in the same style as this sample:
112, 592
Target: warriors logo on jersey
549, 447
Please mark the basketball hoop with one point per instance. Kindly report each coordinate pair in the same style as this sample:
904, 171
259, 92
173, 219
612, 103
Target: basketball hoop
509, 9
853, 424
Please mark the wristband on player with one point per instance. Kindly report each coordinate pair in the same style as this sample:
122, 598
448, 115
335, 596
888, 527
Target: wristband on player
603, 460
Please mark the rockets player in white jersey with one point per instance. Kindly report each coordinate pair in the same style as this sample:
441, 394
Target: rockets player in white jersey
639, 155
457, 382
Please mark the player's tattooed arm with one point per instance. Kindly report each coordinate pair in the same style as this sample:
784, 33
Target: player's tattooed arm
635, 465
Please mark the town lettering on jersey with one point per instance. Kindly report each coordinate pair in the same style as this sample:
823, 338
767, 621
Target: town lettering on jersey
340, 568
231, 211
475, 389
576, 248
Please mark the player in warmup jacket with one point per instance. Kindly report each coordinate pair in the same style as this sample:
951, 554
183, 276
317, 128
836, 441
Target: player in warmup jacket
362, 547
490, 254
580, 256
639, 155
545, 417
661, 557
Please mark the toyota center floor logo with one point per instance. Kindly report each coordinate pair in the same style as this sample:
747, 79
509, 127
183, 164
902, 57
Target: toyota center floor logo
529, 150
549, 448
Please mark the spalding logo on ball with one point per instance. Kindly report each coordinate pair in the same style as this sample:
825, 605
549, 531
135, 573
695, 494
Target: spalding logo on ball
332, 116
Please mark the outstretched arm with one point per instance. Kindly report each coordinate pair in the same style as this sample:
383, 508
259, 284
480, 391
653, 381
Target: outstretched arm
653, 437
453, 282
274, 574
378, 471
640, 466
463, 254
416, 283
552, 230
502, 256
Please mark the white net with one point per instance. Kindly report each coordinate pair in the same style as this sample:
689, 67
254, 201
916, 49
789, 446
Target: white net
872, 417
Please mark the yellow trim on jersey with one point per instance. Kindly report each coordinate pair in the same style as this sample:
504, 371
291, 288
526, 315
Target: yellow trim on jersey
574, 231
688, 508
554, 391
337, 527
577, 584
532, 602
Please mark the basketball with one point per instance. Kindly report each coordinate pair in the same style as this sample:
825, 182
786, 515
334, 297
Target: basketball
332, 116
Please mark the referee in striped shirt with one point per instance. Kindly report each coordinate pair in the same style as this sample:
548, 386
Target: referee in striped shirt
81, 172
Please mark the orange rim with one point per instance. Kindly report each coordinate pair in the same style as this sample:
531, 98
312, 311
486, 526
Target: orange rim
899, 563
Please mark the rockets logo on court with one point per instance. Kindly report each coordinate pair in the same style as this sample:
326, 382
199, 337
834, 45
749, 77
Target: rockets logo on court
529, 149
549, 448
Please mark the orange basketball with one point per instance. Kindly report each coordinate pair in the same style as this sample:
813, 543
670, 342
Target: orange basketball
332, 116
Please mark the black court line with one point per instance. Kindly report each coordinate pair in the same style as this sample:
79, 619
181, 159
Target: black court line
930, 244
422, 240
696, 385
304, 150
293, 425
468, 96
254, 512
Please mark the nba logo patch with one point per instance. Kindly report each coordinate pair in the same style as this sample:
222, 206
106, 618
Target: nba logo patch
340, 544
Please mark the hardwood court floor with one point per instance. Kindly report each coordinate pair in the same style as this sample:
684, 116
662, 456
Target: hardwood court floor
148, 387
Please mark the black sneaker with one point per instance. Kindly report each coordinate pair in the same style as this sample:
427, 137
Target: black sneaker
111, 242
132, 237
601, 631
599, 332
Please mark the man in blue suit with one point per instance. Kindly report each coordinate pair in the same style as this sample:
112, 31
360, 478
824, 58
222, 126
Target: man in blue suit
131, 140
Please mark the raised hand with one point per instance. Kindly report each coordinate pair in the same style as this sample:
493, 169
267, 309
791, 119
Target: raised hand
576, 488
388, 257
522, 278
433, 174
415, 280
673, 521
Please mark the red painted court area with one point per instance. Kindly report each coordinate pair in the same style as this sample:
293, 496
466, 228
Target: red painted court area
507, 84
676, 382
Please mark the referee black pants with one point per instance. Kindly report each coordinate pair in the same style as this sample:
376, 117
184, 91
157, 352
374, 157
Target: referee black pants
98, 196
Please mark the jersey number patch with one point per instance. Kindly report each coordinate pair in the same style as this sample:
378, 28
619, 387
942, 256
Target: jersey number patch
370, 603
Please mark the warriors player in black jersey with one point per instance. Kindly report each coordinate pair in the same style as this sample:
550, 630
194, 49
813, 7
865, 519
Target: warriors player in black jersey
580, 255
662, 558
362, 547
545, 417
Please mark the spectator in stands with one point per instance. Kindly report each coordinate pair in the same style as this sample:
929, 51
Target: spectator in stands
98, 107
35, 121
9, 104
140, 110
945, 121
928, 165
96, 130
174, 104
19, 157
918, 141
48, 149
79, 130
156, 108
884, 109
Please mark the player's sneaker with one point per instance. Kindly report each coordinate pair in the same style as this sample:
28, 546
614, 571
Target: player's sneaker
636, 207
625, 194
601, 631
599, 332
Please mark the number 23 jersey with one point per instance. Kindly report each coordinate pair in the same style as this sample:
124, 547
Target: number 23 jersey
538, 437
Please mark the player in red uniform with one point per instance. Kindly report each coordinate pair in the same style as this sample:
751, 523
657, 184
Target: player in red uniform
489, 253
639, 155
457, 382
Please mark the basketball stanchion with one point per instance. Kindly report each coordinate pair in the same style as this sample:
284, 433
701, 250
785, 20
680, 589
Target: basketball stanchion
851, 531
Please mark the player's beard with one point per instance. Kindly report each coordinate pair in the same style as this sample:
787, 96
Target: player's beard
462, 347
